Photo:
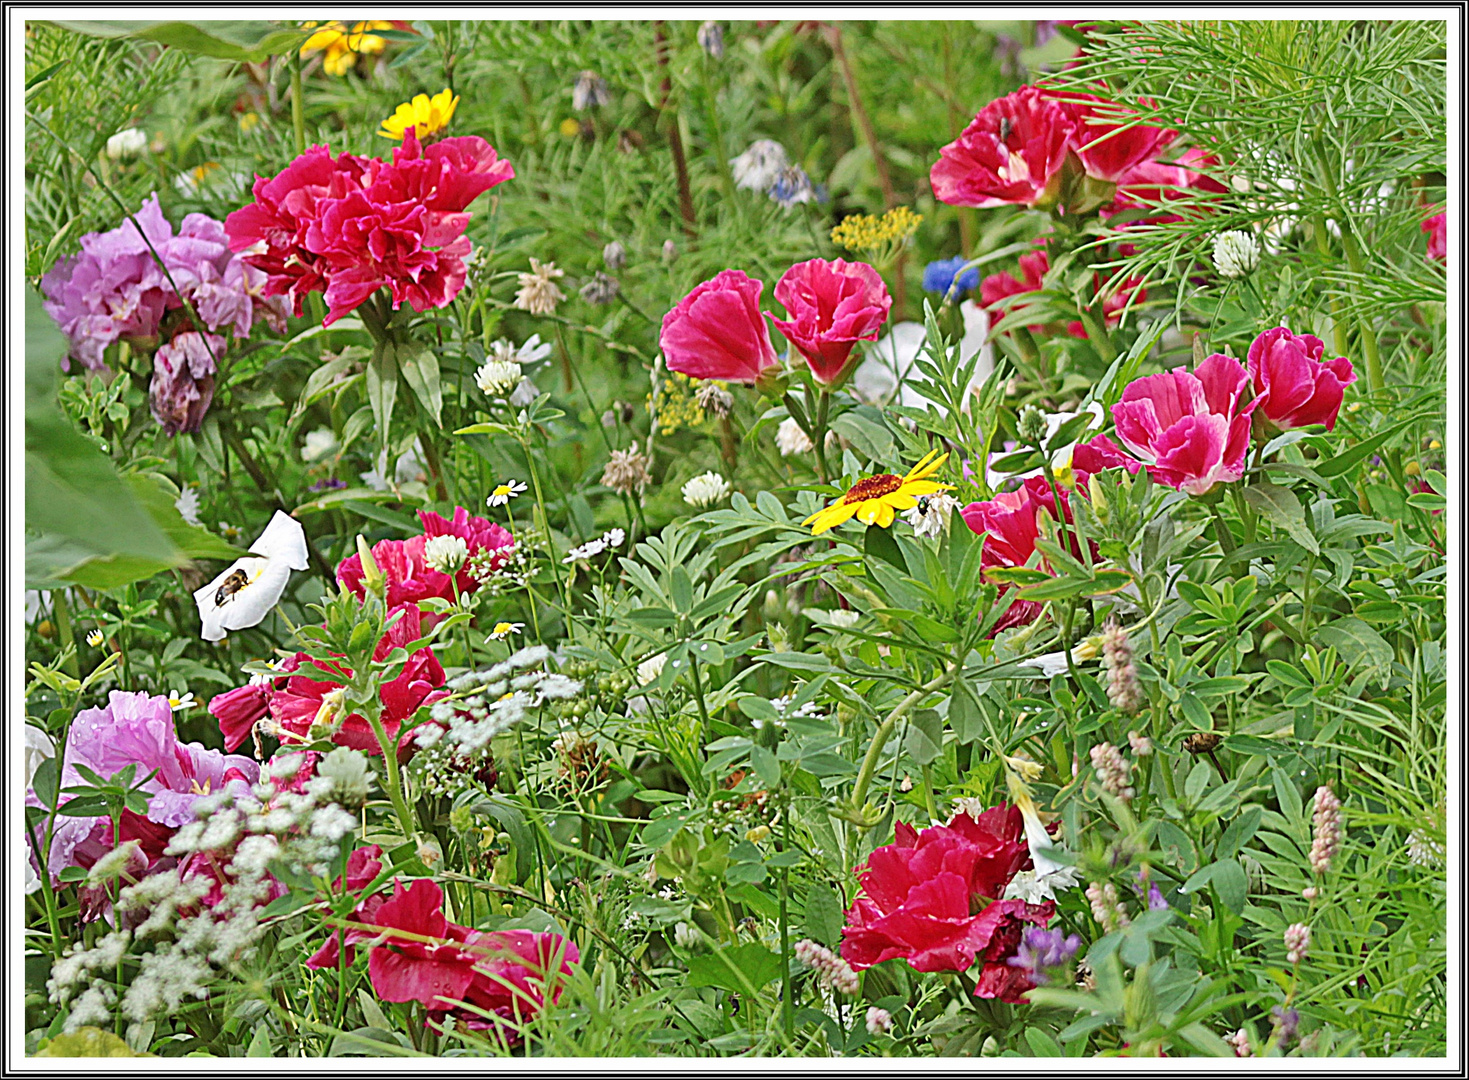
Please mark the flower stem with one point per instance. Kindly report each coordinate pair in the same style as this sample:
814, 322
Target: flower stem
394, 779
885, 731
298, 115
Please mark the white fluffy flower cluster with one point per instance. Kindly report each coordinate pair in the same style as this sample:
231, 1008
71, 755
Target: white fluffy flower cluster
930, 515
705, 490
446, 554
613, 538
1236, 254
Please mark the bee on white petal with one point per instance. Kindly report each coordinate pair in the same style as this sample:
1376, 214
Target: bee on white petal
244, 594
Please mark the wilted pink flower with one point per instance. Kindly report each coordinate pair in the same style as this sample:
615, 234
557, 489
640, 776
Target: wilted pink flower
1011, 152
1295, 385
717, 331
1190, 428
183, 381
1437, 228
832, 305
1107, 141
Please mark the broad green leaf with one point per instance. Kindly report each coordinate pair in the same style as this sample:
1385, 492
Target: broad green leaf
824, 917
1280, 506
241, 40
420, 367
925, 740
739, 968
1358, 644
89, 1042
382, 388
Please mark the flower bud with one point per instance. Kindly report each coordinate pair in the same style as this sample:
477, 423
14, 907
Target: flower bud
372, 577
614, 256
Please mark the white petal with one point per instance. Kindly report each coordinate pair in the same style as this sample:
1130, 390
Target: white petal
248, 605
1051, 664
283, 539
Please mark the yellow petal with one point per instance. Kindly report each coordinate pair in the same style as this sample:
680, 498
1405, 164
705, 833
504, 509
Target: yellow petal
830, 517
885, 515
869, 511
927, 467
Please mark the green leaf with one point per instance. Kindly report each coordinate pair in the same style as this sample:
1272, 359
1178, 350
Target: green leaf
88, 1042
1041, 1043
1358, 644
765, 765
420, 367
1347, 459
739, 968
382, 388
1229, 881
240, 40
824, 917
1281, 507
878, 543
925, 740
866, 433
260, 1043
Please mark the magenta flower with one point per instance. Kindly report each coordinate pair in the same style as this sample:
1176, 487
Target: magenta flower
183, 381
832, 305
1098, 454
1011, 152
1190, 428
1295, 385
135, 729
717, 331
1437, 228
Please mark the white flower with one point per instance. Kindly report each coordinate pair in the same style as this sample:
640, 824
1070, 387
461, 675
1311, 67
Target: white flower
1423, 849
126, 144
887, 372
538, 293
706, 489
593, 548
187, 504
319, 444
790, 439
245, 592
1236, 253
614, 537
1052, 664
759, 166
498, 377
529, 353
524, 394
589, 91
446, 554
651, 668
503, 630
409, 468
228, 531
505, 492
1048, 876
930, 515
95, 638
38, 747
180, 700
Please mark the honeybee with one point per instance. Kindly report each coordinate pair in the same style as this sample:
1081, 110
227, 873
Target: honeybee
1005, 128
1202, 742
237, 580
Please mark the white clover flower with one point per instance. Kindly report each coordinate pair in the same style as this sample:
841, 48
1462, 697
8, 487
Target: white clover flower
557, 687
503, 493
538, 293
1424, 850
651, 668
705, 490
446, 554
759, 166
497, 377
128, 143
930, 515
526, 392
319, 444
1236, 254
244, 594
790, 439
187, 504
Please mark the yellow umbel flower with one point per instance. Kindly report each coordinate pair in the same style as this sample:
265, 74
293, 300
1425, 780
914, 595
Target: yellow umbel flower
867, 232
343, 46
877, 499
678, 405
426, 115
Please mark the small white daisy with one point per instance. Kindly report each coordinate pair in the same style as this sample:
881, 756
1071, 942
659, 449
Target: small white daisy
505, 492
187, 504
95, 639
503, 630
180, 700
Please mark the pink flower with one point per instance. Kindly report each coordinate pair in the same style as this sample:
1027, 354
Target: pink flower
1295, 385
1150, 183
238, 711
1190, 428
1011, 152
1105, 141
832, 305
1101, 453
409, 576
505, 973
997, 287
717, 331
1437, 228
296, 705
925, 897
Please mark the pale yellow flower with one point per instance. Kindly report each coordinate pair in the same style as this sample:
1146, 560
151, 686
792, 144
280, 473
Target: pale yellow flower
343, 46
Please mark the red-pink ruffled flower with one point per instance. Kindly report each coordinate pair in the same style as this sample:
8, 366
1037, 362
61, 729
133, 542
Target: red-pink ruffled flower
996, 288
1191, 429
1098, 454
296, 705
409, 576
1107, 141
832, 305
1149, 184
1011, 153
509, 974
1295, 385
1437, 228
717, 331
925, 897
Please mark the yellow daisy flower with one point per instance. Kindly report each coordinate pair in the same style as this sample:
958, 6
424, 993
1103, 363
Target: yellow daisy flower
343, 46
877, 499
426, 115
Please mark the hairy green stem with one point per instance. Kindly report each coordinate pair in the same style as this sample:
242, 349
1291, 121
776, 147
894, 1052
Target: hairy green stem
885, 731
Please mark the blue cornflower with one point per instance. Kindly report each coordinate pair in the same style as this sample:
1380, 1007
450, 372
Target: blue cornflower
938, 276
793, 186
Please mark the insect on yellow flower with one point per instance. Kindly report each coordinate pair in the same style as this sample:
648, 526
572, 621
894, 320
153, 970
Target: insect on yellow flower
426, 115
875, 500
